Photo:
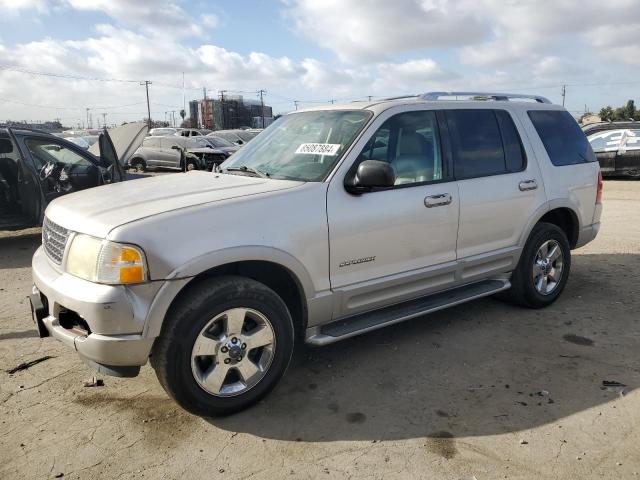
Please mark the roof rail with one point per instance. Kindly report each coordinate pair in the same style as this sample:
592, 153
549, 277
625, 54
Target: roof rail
484, 96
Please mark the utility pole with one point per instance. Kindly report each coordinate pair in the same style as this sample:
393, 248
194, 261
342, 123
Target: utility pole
184, 101
261, 92
222, 92
88, 118
104, 119
369, 97
146, 84
173, 118
295, 104
332, 101
564, 92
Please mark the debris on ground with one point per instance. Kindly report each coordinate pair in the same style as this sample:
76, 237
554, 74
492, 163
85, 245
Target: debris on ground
612, 383
26, 365
94, 382
524, 442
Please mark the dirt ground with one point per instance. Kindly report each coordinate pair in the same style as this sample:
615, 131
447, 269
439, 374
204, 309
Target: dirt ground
484, 391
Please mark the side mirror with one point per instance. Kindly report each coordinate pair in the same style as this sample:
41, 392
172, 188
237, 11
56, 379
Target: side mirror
176, 147
371, 174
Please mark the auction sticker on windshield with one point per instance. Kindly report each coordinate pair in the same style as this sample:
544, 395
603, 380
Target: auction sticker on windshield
318, 148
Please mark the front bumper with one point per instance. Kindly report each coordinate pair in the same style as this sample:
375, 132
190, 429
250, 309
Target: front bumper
103, 323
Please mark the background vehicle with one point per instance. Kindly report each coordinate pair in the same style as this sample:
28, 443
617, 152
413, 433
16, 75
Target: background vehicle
157, 152
332, 222
232, 136
192, 132
37, 167
617, 147
157, 132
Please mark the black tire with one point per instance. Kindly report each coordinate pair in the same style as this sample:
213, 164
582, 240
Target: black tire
171, 354
138, 165
523, 290
191, 165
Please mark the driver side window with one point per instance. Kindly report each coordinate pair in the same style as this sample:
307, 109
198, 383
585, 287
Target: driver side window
410, 142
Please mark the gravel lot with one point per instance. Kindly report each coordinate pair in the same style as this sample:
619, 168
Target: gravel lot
484, 390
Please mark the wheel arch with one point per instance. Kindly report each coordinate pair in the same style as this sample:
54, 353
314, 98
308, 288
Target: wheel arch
287, 278
562, 215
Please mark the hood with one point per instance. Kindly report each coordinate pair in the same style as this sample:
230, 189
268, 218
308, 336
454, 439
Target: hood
126, 139
97, 211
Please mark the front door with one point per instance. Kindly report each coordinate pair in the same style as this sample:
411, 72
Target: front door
394, 244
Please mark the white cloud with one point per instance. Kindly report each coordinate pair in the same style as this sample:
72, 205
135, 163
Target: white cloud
14, 7
360, 32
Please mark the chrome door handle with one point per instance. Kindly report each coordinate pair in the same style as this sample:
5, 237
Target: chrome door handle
527, 185
437, 200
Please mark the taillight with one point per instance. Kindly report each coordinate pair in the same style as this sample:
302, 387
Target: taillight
599, 193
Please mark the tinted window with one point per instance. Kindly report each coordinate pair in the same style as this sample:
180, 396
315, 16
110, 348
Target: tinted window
476, 143
633, 140
563, 139
410, 142
513, 152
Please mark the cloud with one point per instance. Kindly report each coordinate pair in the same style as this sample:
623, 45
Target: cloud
159, 18
365, 31
14, 7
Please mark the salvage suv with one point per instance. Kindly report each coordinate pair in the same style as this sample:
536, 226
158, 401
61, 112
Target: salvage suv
333, 222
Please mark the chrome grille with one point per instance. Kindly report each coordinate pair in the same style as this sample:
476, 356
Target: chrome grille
54, 240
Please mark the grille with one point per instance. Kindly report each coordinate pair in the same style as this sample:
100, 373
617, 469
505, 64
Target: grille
54, 240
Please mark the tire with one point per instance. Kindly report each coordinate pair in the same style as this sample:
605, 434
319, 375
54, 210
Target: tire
191, 165
185, 375
138, 165
527, 290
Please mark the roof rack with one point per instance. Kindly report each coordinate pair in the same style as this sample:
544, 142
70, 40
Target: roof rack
484, 96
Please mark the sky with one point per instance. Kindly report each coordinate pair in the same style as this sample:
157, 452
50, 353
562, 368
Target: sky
60, 57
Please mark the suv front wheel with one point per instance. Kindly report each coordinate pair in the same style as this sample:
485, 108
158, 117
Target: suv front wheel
224, 346
543, 268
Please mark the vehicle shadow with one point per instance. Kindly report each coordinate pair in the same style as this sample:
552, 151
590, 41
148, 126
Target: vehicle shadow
17, 249
478, 369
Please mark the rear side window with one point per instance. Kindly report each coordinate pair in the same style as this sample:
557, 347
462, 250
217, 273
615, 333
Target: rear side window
565, 142
484, 143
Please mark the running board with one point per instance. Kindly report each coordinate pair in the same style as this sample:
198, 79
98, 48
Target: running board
365, 322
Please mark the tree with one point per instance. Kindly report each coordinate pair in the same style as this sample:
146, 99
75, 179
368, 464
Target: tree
607, 114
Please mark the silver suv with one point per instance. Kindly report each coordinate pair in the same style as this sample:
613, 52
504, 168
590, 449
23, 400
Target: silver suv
332, 222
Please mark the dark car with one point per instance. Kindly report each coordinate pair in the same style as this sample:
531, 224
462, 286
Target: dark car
37, 167
617, 147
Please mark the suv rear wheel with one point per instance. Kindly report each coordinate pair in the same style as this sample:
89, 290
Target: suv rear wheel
138, 165
224, 346
543, 269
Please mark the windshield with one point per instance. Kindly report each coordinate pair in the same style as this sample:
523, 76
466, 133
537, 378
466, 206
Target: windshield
301, 146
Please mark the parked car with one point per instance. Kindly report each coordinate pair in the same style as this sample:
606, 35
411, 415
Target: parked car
617, 147
230, 136
157, 132
332, 222
192, 132
165, 152
37, 167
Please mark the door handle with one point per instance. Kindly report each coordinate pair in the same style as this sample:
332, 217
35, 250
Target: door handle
527, 185
437, 200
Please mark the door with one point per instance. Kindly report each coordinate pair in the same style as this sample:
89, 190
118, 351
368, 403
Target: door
64, 168
628, 159
171, 156
499, 190
606, 146
399, 243
20, 198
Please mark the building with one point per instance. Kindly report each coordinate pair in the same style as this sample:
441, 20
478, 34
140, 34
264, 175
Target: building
229, 112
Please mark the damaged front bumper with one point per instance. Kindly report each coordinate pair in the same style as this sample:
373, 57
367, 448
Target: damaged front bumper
103, 323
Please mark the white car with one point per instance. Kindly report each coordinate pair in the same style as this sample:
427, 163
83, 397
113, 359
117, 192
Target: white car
332, 222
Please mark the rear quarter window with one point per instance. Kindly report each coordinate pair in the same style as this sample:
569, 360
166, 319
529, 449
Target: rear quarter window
563, 139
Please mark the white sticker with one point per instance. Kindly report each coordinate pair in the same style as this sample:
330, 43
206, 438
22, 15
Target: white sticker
318, 148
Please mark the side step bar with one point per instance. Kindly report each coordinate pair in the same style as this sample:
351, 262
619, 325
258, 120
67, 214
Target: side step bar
365, 322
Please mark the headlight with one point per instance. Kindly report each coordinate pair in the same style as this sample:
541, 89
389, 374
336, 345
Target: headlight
102, 261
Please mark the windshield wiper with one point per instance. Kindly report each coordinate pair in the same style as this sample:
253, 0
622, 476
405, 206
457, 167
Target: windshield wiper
244, 168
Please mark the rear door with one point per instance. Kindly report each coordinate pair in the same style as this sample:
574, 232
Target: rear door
170, 156
628, 159
499, 189
606, 145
